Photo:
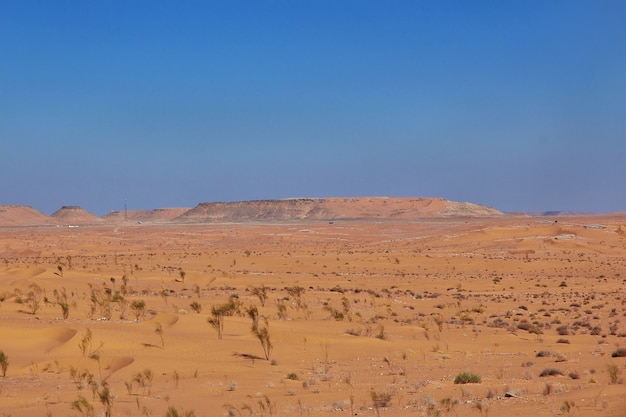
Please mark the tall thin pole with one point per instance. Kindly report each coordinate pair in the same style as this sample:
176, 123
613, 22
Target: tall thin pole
125, 211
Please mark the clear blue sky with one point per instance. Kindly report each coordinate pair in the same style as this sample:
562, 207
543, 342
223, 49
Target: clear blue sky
520, 105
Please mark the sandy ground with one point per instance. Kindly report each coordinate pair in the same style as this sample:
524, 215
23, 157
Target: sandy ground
364, 318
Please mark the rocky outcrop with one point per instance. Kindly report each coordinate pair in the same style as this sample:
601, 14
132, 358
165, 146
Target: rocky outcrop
74, 215
358, 208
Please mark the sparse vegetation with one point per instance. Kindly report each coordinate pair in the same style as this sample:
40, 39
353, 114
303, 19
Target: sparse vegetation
409, 314
467, 378
551, 372
4, 363
196, 306
260, 293
619, 353
615, 373
61, 300
139, 308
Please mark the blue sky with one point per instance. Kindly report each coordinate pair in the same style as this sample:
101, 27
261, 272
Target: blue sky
519, 105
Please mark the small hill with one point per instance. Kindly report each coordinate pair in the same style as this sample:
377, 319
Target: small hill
160, 215
75, 215
332, 209
557, 213
19, 215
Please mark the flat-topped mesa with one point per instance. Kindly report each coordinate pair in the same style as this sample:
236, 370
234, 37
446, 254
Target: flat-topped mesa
75, 215
22, 215
353, 208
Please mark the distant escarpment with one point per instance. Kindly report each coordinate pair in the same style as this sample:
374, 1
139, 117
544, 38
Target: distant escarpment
160, 215
358, 208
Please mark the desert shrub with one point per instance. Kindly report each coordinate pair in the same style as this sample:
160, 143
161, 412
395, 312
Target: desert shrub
61, 300
574, 375
614, 373
293, 376
551, 372
173, 412
563, 330
467, 378
139, 308
196, 306
4, 362
595, 331
619, 353
529, 327
354, 332
217, 320
563, 341
381, 399
546, 354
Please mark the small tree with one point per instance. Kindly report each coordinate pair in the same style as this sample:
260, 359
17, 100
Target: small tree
4, 363
33, 301
260, 293
253, 313
121, 302
106, 398
217, 320
182, 275
296, 292
61, 300
263, 334
139, 308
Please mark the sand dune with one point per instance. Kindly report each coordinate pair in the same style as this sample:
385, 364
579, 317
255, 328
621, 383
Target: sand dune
36, 340
398, 308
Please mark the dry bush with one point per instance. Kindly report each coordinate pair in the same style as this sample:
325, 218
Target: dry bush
467, 378
619, 353
551, 372
614, 373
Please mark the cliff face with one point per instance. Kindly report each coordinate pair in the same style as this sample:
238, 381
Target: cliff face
332, 209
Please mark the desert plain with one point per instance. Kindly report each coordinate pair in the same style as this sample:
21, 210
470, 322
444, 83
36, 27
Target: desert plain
340, 317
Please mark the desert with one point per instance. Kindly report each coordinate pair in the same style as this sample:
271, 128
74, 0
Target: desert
312, 307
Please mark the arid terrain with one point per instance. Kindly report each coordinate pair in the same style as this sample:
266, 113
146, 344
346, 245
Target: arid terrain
312, 309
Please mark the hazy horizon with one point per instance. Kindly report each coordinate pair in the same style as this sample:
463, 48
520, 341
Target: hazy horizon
124, 206
513, 105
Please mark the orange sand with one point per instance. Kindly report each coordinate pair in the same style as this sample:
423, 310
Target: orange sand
396, 308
